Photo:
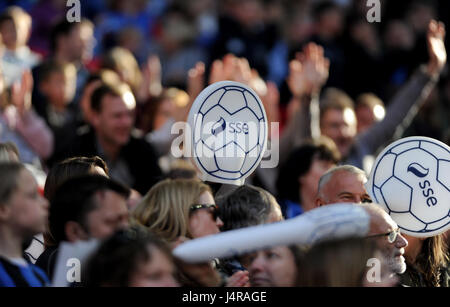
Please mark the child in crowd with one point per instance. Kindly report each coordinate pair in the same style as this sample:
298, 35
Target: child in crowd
57, 83
23, 214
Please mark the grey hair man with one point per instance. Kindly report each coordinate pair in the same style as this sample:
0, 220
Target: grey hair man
346, 184
388, 238
341, 184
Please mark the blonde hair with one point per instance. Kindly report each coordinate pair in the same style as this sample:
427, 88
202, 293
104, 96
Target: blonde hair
164, 210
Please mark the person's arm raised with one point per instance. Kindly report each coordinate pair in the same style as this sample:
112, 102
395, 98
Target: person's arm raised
308, 72
404, 106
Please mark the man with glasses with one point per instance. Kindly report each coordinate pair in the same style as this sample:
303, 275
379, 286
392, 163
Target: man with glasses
388, 238
346, 184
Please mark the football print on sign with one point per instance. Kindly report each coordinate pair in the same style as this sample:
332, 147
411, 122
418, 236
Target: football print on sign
229, 132
411, 180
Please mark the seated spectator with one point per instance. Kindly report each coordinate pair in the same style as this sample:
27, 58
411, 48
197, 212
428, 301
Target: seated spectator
346, 184
244, 207
343, 263
23, 213
248, 206
179, 208
274, 267
15, 29
103, 76
158, 116
85, 207
131, 258
298, 177
9, 153
71, 42
130, 159
61, 172
20, 125
72, 167
342, 184
57, 85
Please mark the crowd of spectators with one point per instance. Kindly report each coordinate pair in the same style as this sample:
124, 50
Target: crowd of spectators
86, 110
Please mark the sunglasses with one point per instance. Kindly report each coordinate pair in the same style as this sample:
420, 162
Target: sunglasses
392, 236
214, 209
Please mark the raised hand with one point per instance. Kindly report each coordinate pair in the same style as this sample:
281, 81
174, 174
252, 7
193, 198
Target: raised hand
296, 79
151, 79
309, 71
196, 80
436, 47
216, 73
315, 65
195, 84
231, 68
21, 93
238, 69
271, 101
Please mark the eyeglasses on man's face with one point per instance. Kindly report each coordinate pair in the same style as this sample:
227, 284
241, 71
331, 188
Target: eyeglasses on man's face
392, 236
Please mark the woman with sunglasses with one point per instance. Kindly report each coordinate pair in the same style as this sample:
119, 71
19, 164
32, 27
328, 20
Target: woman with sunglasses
185, 208
179, 208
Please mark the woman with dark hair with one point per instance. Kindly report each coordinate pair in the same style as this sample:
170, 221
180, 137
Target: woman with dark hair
131, 258
58, 174
72, 167
299, 177
427, 262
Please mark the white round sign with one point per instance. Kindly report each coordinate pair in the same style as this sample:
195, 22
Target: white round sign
411, 180
229, 132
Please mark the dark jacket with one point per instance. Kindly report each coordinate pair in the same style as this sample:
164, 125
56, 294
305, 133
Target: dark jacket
139, 156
